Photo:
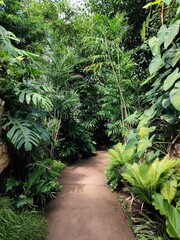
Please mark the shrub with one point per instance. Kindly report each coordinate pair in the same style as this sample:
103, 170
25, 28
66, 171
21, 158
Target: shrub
40, 184
118, 158
158, 176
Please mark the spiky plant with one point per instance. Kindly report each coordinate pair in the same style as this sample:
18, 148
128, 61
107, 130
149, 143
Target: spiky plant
159, 176
118, 158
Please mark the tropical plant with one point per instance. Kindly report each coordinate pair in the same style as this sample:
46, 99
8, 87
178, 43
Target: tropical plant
158, 176
171, 214
20, 225
40, 184
119, 157
149, 226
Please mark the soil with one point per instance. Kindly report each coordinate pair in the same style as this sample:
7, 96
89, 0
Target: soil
86, 209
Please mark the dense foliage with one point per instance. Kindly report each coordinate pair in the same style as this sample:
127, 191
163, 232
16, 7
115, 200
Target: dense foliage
25, 225
76, 80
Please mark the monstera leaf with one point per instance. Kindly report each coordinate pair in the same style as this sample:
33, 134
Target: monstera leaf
20, 133
29, 96
170, 212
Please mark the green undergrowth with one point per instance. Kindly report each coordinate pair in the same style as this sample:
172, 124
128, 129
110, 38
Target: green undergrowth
24, 225
146, 225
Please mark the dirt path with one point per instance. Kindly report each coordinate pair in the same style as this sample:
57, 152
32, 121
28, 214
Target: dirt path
86, 209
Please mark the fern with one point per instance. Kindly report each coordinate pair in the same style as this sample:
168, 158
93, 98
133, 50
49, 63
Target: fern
20, 133
119, 157
145, 178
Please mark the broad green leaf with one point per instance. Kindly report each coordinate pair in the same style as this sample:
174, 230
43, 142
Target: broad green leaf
171, 57
167, 1
25, 202
177, 85
151, 155
145, 117
143, 132
172, 31
170, 80
175, 57
166, 103
161, 34
170, 212
169, 189
155, 64
21, 134
142, 146
178, 12
132, 140
153, 43
175, 98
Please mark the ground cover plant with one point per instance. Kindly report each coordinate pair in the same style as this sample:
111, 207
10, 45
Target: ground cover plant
25, 225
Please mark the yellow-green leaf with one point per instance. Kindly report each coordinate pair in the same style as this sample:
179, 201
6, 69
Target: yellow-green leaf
152, 3
169, 189
143, 132
143, 31
175, 98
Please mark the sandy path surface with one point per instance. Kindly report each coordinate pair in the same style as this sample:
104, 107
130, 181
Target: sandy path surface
86, 209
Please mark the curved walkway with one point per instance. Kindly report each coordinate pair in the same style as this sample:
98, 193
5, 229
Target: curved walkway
86, 209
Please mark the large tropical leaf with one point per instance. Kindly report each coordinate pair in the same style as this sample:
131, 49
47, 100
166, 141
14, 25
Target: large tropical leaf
172, 31
37, 99
175, 98
155, 64
170, 212
170, 80
20, 133
169, 189
161, 34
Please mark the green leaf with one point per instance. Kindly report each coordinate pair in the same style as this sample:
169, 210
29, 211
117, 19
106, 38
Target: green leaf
20, 133
151, 156
152, 3
170, 80
142, 146
161, 34
155, 48
172, 56
167, 1
155, 64
169, 189
143, 31
177, 85
175, 98
24, 202
170, 212
1, 2
132, 140
166, 103
170, 118
172, 31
